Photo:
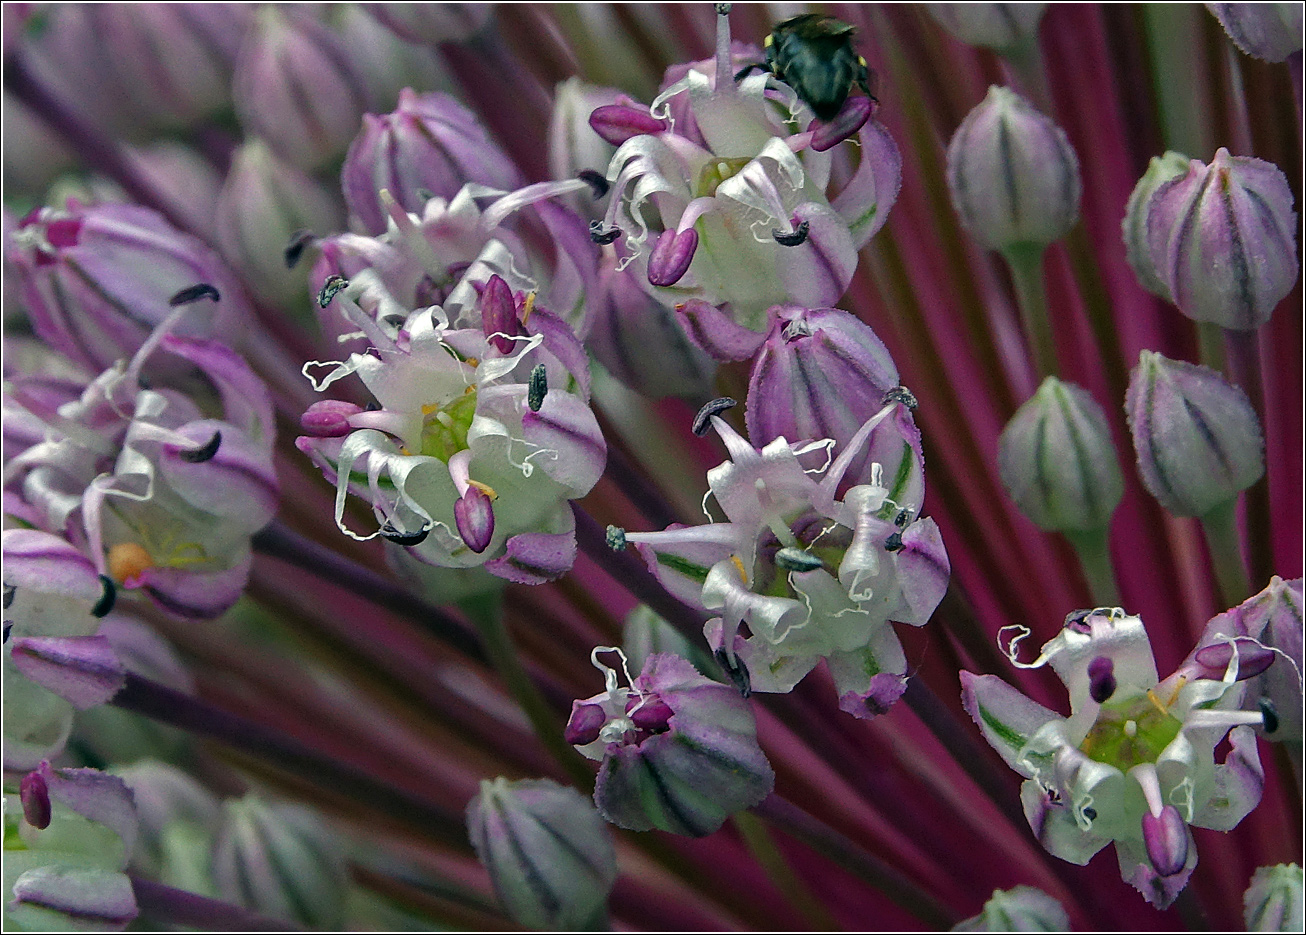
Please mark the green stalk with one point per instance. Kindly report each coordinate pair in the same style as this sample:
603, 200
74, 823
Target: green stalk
486, 611
761, 844
1210, 342
1179, 73
1094, 552
1026, 264
1221, 528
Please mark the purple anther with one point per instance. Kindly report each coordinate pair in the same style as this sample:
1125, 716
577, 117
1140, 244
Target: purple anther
671, 255
328, 418
1101, 679
793, 238
617, 123
473, 512
826, 135
499, 314
35, 797
649, 713
63, 232
1253, 658
206, 452
1166, 837
584, 724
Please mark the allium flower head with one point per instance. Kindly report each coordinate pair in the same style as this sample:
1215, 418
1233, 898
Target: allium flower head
1134, 762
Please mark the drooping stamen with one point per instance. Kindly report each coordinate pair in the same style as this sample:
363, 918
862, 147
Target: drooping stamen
585, 724
1269, 715
1166, 838
295, 249
703, 420
201, 290
405, 539
333, 285
901, 395
473, 513
205, 452
794, 238
35, 796
603, 235
537, 388
1253, 658
1101, 679
671, 255
595, 180
108, 597
792, 559
738, 672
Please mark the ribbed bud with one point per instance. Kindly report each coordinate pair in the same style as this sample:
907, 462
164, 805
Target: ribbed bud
1002, 27
1012, 174
280, 861
1160, 170
1223, 240
1197, 437
1269, 31
547, 851
290, 51
1020, 909
432, 23
263, 202
1057, 462
430, 146
1273, 902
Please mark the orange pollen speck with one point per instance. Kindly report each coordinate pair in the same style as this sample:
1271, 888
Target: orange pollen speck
743, 574
127, 560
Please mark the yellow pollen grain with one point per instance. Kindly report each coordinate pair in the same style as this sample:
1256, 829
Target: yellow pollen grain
430, 408
469, 390
127, 560
484, 488
473, 362
1156, 702
1179, 686
743, 575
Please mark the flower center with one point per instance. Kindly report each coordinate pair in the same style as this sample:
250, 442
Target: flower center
1130, 732
716, 172
444, 428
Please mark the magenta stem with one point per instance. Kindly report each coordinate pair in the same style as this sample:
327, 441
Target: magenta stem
160, 903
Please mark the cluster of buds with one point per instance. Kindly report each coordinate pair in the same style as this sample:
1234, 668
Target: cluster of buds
1134, 762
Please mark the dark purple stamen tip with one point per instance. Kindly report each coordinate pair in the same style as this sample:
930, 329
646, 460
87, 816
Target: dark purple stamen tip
585, 723
1253, 658
295, 249
330, 288
537, 388
108, 597
205, 452
794, 238
1101, 679
595, 180
670, 257
649, 713
893, 542
703, 420
1166, 837
473, 513
10, 591
734, 667
1269, 715
616, 538
201, 290
900, 395
35, 797
601, 235
851, 118
405, 539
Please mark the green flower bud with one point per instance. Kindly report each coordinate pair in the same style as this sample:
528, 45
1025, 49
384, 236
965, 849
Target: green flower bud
1020, 909
1003, 27
1273, 903
1160, 170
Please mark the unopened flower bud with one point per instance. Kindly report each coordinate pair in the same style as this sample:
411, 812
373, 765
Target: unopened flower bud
1273, 902
546, 849
1002, 27
387, 61
432, 23
1057, 462
1020, 909
1012, 174
281, 861
1222, 240
263, 202
1160, 170
430, 146
289, 51
1197, 437
1269, 31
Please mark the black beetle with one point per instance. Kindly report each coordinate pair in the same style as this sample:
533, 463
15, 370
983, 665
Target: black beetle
814, 55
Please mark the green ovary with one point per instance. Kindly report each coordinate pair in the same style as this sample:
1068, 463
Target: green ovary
444, 430
1129, 733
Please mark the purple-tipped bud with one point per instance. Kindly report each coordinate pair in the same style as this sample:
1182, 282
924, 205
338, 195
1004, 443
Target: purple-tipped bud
1101, 679
1223, 240
96, 280
1056, 459
1003, 27
1134, 227
429, 147
649, 713
264, 202
1013, 177
289, 52
1274, 901
1269, 31
585, 723
670, 257
547, 852
1166, 838
616, 123
35, 796
474, 514
329, 418
851, 118
499, 314
820, 374
1197, 437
